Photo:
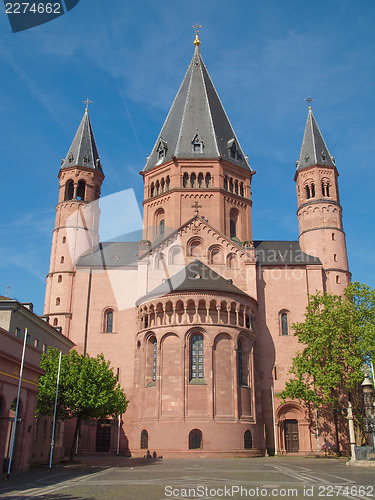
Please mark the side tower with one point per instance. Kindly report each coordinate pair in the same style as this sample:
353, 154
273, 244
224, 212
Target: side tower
197, 158
77, 222
319, 211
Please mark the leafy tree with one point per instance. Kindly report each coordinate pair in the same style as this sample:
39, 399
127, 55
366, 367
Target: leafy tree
337, 337
88, 389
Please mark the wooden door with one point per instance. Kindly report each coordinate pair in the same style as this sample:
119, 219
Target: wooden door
291, 436
103, 437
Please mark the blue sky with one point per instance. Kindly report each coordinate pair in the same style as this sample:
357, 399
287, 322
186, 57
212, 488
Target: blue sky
130, 57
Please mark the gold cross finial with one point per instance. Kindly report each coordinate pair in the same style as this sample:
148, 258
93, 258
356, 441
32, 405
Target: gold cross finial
197, 42
87, 102
309, 100
197, 207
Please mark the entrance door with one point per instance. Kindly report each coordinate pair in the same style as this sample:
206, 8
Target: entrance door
291, 436
103, 436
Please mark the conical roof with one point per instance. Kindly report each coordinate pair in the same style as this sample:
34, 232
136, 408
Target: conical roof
197, 125
83, 151
195, 277
314, 150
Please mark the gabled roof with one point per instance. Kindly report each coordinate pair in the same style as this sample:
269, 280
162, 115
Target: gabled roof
195, 277
197, 111
314, 150
111, 254
83, 151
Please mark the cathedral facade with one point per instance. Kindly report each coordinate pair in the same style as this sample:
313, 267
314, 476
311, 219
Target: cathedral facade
195, 315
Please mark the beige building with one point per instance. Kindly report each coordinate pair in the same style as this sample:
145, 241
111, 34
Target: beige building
33, 435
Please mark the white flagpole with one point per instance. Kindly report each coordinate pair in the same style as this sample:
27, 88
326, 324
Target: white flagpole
54, 414
17, 405
118, 434
274, 421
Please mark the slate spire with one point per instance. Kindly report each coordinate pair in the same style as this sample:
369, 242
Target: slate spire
314, 150
83, 151
197, 125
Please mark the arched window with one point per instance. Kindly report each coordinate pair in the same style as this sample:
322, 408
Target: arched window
232, 261
69, 190
167, 183
226, 183
55, 322
247, 440
57, 301
241, 189
200, 180
162, 184
284, 324
215, 255
308, 195
193, 178
59, 278
161, 227
196, 358
62, 260
231, 185
233, 223
312, 190
64, 239
195, 439
236, 187
159, 219
176, 255
152, 190
157, 185
337, 280
208, 180
81, 188
185, 180
158, 262
144, 440
239, 362
195, 248
108, 321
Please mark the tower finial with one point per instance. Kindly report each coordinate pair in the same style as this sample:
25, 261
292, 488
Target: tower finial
309, 100
87, 102
197, 42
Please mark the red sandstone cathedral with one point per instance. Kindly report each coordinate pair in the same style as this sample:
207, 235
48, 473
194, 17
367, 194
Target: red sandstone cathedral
195, 316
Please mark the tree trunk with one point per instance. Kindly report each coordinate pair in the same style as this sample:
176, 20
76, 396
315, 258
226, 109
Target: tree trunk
78, 425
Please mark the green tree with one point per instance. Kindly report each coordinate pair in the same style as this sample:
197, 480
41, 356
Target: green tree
88, 389
337, 337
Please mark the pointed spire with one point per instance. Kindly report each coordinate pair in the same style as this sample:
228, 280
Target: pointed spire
83, 151
314, 150
197, 112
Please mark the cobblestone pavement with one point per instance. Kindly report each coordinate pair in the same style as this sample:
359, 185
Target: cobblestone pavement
148, 479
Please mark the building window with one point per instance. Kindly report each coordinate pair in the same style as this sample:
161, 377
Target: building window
36, 343
241, 189
18, 332
62, 260
81, 188
144, 440
185, 180
167, 183
45, 348
161, 227
239, 361
337, 280
233, 223
192, 180
108, 321
208, 180
69, 190
28, 338
284, 324
200, 180
226, 183
152, 191
247, 440
59, 279
55, 322
57, 301
154, 361
64, 239
335, 257
195, 439
333, 236
196, 358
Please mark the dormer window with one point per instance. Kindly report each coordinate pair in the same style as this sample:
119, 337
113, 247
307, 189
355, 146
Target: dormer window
86, 158
323, 156
233, 150
70, 157
197, 144
162, 149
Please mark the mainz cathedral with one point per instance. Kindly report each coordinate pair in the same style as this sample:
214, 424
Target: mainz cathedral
194, 315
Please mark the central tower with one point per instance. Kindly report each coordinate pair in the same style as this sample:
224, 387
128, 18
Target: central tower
197, 157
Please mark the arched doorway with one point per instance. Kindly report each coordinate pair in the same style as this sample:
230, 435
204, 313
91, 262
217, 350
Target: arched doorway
103, 436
